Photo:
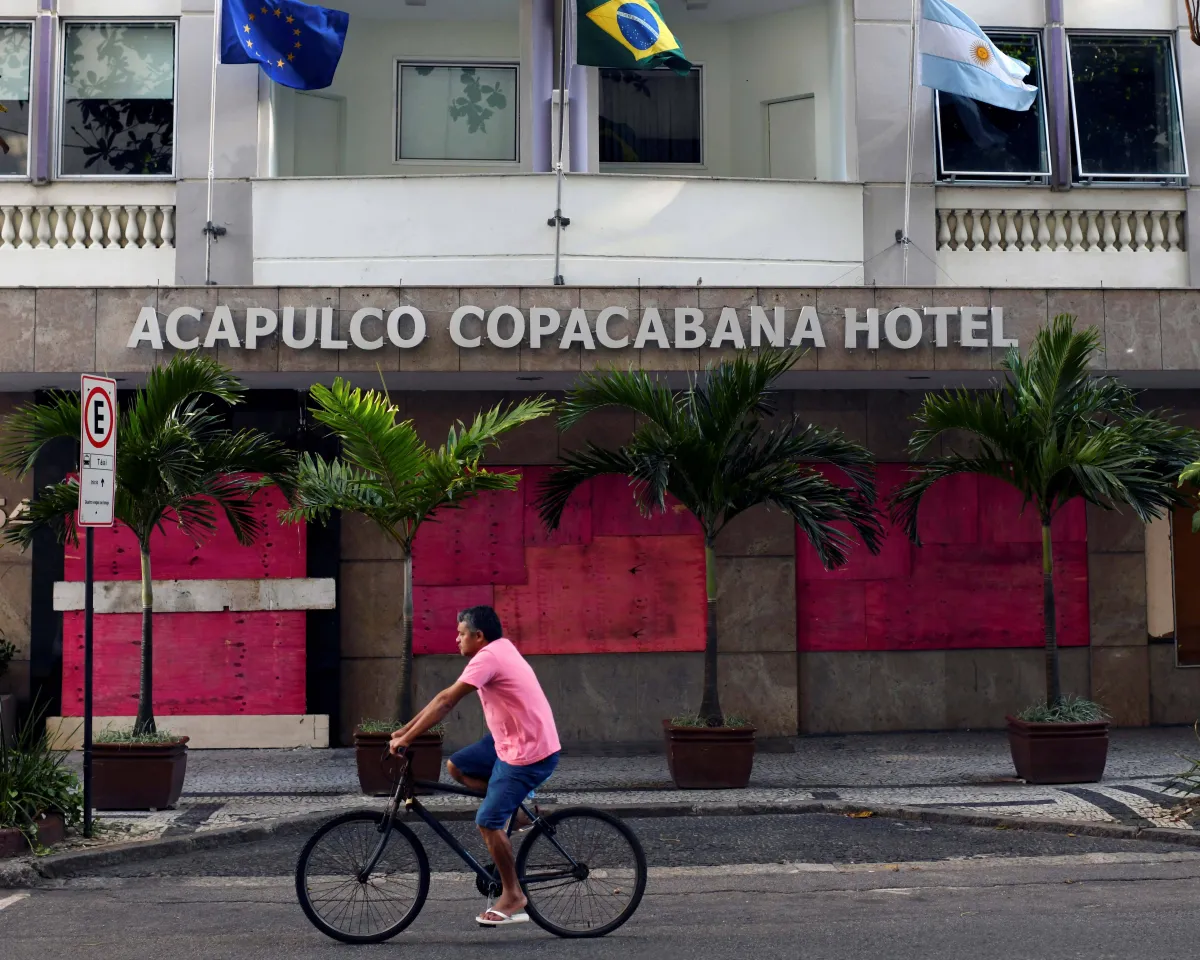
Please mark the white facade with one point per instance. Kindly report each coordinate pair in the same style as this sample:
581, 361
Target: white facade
783, 164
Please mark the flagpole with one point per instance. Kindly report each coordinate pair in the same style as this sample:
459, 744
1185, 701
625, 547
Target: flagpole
563, 87
908, 168
210, 231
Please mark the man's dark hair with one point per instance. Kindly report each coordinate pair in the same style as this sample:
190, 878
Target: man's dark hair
483, 619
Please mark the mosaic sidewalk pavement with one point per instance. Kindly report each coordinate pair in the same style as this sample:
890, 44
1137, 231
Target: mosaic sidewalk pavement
966, 772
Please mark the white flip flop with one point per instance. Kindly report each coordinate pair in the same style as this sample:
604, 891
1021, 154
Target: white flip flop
505, 920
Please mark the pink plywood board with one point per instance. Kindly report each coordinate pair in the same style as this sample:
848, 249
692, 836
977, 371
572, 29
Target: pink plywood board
481, 542
279, 552
576, 525
832, 616
204, 663
615, 513
975, 584
614, 595
435, 612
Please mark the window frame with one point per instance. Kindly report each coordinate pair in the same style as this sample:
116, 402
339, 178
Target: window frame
993, 177
27, 176
399, 63
1078, 177
58, 139
664, 168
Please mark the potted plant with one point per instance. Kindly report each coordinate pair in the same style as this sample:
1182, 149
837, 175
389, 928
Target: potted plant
1056, 433
710, 448
377, 770
39, 796
8, 703
176, 463
389, 475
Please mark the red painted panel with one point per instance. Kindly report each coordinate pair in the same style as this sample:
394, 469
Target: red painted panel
614, 595
950, 514
976, 582
576, 525
435, 613
832, 616
204, 663
1005, 523
615, 513
281, 552
480, 542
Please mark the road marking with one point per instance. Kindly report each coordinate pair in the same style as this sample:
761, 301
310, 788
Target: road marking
13, 898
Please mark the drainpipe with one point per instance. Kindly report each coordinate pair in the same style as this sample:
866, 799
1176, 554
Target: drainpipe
1058, 99
43, 90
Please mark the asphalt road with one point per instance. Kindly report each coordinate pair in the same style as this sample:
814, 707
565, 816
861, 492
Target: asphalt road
716, 892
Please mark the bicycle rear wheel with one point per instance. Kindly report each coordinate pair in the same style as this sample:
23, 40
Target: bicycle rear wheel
584, 873
344, 903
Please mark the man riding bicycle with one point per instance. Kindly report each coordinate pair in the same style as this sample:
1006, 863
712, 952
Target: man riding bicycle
518, 756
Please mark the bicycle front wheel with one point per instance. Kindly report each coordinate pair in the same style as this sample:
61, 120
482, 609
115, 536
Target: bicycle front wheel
346, 902
584, 873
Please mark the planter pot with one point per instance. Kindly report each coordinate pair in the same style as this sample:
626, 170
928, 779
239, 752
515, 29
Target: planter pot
138, 776
377, 773
8, 717
51, 830
1058, 752
709, 758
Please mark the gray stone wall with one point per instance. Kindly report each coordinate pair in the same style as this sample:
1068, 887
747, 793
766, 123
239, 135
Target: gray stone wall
15, 575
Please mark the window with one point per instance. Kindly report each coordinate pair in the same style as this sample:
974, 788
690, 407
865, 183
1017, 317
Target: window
118, 109
1126, 104
977, 141
651, 116
457, 112
15, 40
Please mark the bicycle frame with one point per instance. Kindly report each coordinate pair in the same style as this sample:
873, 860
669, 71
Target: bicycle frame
415, 806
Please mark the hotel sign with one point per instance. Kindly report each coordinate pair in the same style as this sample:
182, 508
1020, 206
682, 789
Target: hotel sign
683, 328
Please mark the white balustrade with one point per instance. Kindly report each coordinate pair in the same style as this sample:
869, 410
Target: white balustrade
1088, 231
92, 226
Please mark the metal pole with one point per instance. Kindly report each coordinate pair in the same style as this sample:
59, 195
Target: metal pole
563, 92
88, 580
908, 168
210, 231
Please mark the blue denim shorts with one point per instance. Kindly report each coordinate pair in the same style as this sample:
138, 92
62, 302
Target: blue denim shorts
507, 784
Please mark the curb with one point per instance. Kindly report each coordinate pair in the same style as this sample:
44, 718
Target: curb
63, 866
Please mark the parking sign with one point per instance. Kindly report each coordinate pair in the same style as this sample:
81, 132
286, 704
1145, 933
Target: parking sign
98, 451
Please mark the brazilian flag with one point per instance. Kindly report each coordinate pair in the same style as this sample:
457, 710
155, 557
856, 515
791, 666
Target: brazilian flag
627, 34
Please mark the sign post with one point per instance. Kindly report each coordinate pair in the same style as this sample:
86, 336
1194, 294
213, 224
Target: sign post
97, 497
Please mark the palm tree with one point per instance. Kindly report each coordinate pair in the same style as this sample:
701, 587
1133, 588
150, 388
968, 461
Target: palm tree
1055, 433
1192, 475
177, 463
709, 448
389, 475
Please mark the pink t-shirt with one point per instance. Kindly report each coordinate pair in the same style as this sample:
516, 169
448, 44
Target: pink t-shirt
517, 712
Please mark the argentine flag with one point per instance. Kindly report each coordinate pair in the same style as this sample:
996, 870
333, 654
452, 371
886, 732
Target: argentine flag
958, 57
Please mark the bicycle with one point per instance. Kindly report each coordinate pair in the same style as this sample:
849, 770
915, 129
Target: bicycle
363, 876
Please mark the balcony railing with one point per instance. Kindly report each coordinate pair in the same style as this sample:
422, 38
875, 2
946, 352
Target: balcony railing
491, 230
87, 234
986, 237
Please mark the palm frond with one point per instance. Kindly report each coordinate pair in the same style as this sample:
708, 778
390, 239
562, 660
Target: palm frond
187, 379
633, 389
469, 444
52, 508
906, 500
579, 467
29, 428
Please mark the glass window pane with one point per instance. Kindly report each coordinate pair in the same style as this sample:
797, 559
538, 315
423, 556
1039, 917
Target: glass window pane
15, 48
978, 138
458, 113
1126, 110
650, 116
118, 99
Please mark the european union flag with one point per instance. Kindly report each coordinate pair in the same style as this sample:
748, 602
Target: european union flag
297, 44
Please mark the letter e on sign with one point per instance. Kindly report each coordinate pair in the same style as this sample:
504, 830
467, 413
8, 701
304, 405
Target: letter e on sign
97, 451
